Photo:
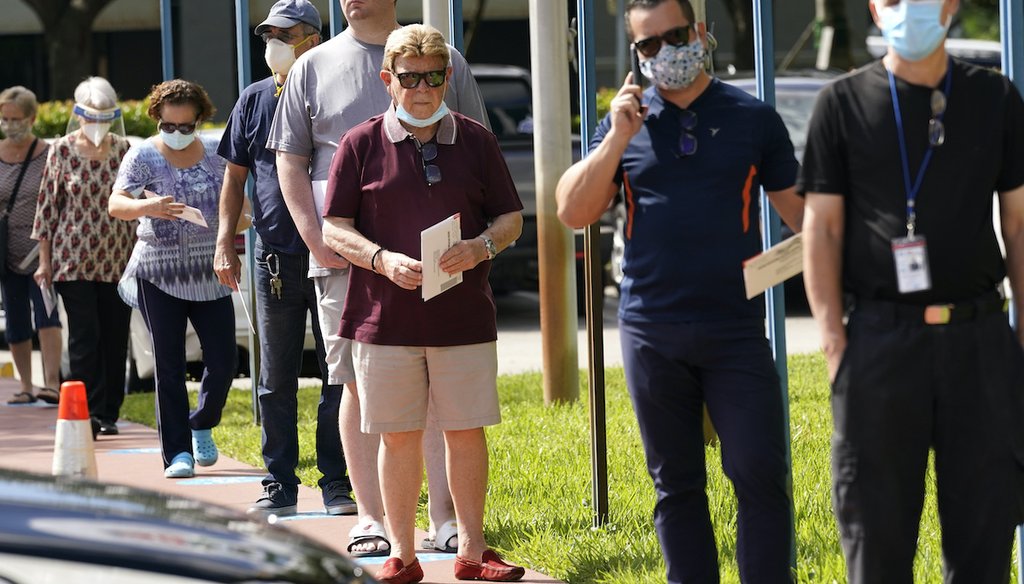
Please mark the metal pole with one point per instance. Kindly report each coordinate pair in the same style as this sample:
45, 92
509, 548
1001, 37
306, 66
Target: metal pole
549, 53
166, 39
337, 18
594, 272
244, 80
455, 24
1011, 25
764, 62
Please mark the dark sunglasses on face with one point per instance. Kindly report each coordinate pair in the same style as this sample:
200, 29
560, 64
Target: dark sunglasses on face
936, 129
432, 172
676, 37
687, 141
410, 80
183, 128
282, 36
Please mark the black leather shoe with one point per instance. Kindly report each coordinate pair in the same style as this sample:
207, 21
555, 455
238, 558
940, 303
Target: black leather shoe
108, 429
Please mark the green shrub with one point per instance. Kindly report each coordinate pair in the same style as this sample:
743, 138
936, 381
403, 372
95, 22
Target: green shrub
52, 118
604, 103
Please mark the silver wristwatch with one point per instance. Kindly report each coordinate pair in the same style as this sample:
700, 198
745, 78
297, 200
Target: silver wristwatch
489, 246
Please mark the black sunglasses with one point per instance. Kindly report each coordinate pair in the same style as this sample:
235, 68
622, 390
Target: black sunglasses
676, 37
183, 128
687, 141
936, 129
432, 172
411, 80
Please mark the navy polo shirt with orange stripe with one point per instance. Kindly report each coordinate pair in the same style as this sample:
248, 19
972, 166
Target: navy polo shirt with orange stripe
692, 220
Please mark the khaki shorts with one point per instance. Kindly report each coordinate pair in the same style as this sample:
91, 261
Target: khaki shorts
397, 383
330, 291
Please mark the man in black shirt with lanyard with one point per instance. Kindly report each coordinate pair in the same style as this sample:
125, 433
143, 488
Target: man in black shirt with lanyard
902, 159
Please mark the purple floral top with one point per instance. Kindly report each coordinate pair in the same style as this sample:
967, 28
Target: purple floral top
175, 256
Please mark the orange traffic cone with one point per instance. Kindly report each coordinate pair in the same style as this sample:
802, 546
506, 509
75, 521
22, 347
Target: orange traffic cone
73, 453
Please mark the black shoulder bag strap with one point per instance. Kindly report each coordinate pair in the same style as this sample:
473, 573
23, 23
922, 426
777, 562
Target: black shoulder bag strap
21, 175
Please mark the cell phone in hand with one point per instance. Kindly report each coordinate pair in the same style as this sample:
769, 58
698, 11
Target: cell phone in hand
638, 77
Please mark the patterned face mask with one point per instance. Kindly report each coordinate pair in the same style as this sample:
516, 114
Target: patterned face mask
675, 67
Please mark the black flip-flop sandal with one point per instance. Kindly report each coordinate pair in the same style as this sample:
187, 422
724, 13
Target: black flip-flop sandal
50, 396
22, 397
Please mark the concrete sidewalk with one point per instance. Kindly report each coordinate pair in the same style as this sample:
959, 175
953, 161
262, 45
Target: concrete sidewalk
133, 458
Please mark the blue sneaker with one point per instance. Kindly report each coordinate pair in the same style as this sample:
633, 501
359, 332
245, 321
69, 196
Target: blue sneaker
182, 467
204, 447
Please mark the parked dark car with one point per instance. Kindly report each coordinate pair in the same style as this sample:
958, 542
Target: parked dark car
67, 530
508, 96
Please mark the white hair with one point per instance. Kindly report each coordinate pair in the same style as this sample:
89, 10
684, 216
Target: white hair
97, 93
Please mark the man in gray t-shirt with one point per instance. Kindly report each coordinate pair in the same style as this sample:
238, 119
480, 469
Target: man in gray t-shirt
330, 89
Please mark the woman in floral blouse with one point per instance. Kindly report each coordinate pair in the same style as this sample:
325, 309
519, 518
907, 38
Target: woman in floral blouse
162, 183
82, 251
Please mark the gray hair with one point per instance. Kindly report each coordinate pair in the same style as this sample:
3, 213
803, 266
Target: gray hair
21, 98
97, 93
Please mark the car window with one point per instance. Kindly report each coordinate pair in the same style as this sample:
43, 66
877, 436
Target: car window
508, 104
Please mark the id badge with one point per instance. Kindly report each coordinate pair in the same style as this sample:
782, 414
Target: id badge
911, 257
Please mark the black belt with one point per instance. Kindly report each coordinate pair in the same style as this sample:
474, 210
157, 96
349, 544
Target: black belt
935, 314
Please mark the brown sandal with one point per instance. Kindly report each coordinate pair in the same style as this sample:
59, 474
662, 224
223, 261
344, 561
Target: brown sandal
22, 397
50, 396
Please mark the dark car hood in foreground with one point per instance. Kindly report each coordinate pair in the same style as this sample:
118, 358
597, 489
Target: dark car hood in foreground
112, 525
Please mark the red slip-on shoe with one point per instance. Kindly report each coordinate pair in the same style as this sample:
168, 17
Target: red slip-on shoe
395, 572
490, 567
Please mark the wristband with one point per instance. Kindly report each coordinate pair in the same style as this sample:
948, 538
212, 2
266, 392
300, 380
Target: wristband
373, 259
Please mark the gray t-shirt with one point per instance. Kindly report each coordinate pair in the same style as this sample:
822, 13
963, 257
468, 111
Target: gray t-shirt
335, 86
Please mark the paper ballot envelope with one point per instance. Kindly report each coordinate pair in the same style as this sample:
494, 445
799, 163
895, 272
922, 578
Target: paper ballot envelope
434, 241
774, 266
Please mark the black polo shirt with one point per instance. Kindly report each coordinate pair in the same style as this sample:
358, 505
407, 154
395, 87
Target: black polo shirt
853, 151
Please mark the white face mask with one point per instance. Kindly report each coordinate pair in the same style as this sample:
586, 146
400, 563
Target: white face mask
95, 132
176, 140
280, 56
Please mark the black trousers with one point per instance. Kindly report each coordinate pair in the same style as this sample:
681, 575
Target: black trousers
97, 343
902, 389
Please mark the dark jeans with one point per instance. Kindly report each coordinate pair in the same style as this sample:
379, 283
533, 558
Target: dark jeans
672, 370
97, 343
214, 322
282, 328
902, 389
23, 303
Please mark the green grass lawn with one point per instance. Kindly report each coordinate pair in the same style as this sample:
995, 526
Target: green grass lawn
539, 498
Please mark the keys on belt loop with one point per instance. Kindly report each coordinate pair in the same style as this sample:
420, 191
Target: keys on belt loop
274, 267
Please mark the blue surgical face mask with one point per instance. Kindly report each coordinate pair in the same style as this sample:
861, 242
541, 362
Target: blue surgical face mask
176, 140
913, 29
408, 118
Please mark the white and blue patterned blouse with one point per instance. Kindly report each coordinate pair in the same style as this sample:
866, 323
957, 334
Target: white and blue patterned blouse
175, 256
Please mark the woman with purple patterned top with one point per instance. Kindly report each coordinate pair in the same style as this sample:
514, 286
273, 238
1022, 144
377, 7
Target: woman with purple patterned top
162, 183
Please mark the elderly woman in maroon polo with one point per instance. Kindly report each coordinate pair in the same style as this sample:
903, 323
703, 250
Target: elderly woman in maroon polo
392, 177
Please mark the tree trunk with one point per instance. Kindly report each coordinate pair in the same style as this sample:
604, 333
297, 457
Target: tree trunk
833, 13
67, 30
742, 13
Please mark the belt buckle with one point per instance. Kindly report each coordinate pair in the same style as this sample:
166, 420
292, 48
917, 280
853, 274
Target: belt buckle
938, 313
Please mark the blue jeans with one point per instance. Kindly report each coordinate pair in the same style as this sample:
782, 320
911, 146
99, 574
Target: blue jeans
282, 328
214, 322
22, 301
672, 369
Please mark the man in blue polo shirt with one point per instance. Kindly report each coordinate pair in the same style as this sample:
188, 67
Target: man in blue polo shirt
284, 295
692, 153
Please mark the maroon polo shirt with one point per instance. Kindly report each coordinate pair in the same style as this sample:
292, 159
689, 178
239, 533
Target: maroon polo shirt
377, 179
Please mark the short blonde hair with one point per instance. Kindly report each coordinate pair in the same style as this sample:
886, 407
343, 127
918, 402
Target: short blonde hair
21, 98
96, 93
414, 40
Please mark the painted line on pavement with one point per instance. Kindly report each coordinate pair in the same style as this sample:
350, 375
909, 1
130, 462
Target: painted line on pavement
423, 557
218, 481
133, 451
